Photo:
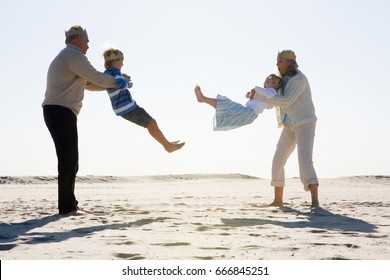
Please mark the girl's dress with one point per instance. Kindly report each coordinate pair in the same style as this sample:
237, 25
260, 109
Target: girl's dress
230, 115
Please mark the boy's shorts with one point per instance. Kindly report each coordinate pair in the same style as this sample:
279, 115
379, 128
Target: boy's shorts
138, 116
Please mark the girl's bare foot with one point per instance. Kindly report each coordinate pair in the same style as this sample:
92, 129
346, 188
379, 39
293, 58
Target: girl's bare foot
174, 146
199, 95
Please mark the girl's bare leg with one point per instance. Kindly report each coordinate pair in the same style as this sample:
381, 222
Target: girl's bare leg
156, 133
204, 99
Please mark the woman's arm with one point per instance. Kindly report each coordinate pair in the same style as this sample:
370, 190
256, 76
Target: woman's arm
293, 91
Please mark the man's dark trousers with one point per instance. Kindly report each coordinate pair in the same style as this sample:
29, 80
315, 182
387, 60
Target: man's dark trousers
62, 124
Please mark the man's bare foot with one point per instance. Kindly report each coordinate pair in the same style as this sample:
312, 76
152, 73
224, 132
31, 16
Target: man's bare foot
199, 94
174, 146
77, 212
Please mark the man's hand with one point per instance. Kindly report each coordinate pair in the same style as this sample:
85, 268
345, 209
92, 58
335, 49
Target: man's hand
127, 77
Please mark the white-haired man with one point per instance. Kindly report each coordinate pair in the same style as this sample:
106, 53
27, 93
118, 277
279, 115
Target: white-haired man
69, 74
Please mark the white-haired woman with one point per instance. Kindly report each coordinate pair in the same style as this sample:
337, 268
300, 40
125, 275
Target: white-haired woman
296, 114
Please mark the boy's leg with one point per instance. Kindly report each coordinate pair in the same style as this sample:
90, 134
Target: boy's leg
140, 117
203, 99
156, 133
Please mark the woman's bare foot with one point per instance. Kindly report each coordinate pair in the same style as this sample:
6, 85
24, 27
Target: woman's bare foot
278, 199
276, 204
314, 196
199, 94
174, 146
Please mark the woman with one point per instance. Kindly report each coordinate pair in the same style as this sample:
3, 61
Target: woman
296, 114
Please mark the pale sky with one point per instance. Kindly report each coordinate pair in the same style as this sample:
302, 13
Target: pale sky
227, 47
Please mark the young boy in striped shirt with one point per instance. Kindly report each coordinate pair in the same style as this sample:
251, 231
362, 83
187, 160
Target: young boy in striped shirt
125, 106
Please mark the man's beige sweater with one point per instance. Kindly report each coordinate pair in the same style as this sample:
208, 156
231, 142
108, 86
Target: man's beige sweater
69, 74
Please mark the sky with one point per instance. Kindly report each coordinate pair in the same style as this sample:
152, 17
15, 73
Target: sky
227, 47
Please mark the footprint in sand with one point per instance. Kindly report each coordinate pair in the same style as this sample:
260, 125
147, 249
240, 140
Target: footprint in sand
129, 256
173, 244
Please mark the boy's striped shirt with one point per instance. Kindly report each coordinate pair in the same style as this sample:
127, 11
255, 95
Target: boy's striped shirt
121, 100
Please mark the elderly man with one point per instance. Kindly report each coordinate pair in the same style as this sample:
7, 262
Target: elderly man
296, 114
69, 74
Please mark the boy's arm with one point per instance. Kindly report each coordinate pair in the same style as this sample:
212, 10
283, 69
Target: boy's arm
128, 79
123, 80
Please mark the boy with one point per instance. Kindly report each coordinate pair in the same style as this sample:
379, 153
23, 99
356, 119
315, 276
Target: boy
125, 106
230, 115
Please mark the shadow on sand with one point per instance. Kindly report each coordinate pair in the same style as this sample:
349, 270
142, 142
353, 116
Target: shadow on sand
318, 218
14, 234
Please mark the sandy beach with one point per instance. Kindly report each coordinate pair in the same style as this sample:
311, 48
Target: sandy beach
195, 217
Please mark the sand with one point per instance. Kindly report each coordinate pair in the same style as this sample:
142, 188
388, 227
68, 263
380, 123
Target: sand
195, 217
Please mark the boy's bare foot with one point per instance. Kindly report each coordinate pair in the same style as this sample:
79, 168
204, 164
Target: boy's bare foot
174, 146
199, 94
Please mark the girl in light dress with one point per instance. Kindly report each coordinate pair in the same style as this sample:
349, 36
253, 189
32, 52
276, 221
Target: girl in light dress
230, 114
